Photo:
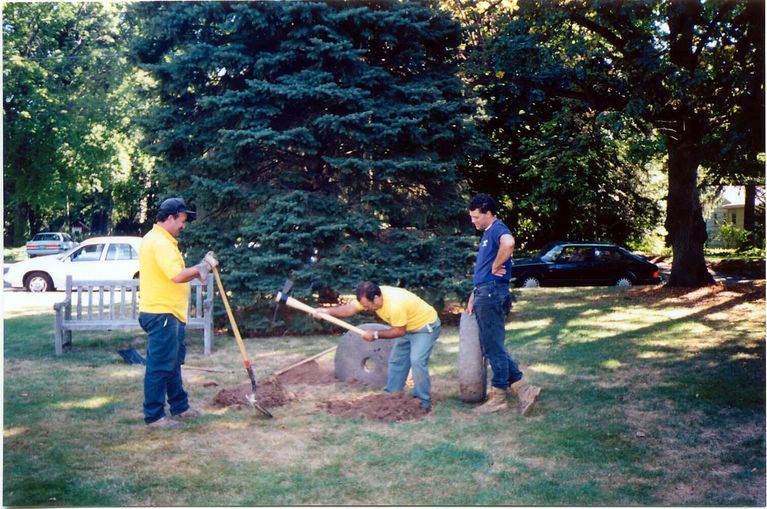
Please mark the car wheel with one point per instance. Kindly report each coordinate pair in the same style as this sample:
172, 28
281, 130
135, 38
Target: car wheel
530, 282
38, 282
624, 282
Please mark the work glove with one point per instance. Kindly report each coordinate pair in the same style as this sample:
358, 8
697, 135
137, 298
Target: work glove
204, 269
206, 265
210, 259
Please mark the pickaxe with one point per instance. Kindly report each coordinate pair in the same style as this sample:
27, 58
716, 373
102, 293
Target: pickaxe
284, 298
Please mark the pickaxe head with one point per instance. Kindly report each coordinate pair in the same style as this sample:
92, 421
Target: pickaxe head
282, 296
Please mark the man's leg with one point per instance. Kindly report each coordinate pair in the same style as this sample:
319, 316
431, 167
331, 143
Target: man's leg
161, 355
177, 396
490, 308
420, 351
399, 365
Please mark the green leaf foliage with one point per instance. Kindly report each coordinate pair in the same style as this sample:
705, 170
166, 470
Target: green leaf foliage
582, 93
69, 144
319, 141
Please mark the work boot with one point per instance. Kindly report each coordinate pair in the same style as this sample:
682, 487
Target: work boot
496, 401
165, 422
526, 394
189, 413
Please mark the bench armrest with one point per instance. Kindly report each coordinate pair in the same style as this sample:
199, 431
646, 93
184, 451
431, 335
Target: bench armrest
61, 305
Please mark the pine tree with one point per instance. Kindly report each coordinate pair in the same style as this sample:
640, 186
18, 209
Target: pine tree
318, 141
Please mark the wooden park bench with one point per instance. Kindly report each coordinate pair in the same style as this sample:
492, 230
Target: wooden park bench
113, 305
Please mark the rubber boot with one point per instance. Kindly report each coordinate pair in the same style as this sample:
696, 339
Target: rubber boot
526, 394
496, 401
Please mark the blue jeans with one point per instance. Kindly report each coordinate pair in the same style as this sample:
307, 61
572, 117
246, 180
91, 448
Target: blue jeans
492, 302
165, 353
413, 351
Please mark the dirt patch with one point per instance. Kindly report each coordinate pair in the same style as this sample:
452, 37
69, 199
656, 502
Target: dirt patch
378, 407
310, 373
269, 393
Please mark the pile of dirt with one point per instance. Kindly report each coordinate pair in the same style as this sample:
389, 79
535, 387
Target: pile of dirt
378, 407
310, 373
269, 393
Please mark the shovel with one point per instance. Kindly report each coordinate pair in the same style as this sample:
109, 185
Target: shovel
251, 398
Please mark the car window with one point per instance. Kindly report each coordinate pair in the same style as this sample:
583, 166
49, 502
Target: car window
117, 252
88, 253
67, 237
574, 254
607, 254
45, 237
552, 254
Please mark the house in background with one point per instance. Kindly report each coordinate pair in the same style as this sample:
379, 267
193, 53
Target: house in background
728, 207
78, 229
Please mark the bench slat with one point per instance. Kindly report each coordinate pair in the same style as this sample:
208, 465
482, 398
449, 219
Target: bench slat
128, 283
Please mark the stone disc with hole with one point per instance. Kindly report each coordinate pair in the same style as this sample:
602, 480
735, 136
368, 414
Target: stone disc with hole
472, 365
363, 361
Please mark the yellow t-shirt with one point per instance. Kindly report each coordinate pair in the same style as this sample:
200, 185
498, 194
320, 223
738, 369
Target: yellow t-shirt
159, 262
403, 308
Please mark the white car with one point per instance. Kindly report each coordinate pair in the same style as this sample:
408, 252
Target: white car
99, 258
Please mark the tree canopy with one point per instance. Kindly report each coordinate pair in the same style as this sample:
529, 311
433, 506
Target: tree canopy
670, 76
69, 96
319, 140
337, 141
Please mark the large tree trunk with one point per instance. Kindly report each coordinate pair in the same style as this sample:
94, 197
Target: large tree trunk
684, 216
19, 227
684, 219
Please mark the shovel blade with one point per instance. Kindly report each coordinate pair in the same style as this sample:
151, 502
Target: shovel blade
251, 398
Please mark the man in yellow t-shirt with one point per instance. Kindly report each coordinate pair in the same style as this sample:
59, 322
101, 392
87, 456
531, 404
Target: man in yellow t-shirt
415, 326
164, 293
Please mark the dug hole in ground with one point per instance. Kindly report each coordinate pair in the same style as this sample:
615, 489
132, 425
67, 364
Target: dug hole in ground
357, 363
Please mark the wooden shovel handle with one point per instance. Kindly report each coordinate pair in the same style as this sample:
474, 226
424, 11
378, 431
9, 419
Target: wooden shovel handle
236, 329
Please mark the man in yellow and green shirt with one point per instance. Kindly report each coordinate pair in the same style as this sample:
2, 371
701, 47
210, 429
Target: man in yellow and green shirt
415, 326
164, 294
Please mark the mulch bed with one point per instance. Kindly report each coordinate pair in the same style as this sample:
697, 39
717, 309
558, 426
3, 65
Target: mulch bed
716, 293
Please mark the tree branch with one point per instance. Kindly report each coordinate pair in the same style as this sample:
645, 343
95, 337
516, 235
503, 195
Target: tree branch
605, 32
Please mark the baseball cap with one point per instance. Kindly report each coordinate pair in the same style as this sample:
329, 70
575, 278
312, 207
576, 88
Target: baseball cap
176, 206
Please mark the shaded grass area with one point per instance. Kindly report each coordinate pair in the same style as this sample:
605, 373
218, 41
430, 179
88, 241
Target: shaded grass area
650, 397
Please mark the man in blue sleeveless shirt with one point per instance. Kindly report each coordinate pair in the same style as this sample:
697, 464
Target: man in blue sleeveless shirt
491, 302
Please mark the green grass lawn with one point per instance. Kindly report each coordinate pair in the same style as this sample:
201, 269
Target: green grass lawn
650, 397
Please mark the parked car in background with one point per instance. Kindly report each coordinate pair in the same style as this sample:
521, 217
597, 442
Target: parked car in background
584, 264
99, 258
48, 243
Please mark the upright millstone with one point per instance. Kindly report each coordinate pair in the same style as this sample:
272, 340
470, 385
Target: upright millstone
363, 361
472, 364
